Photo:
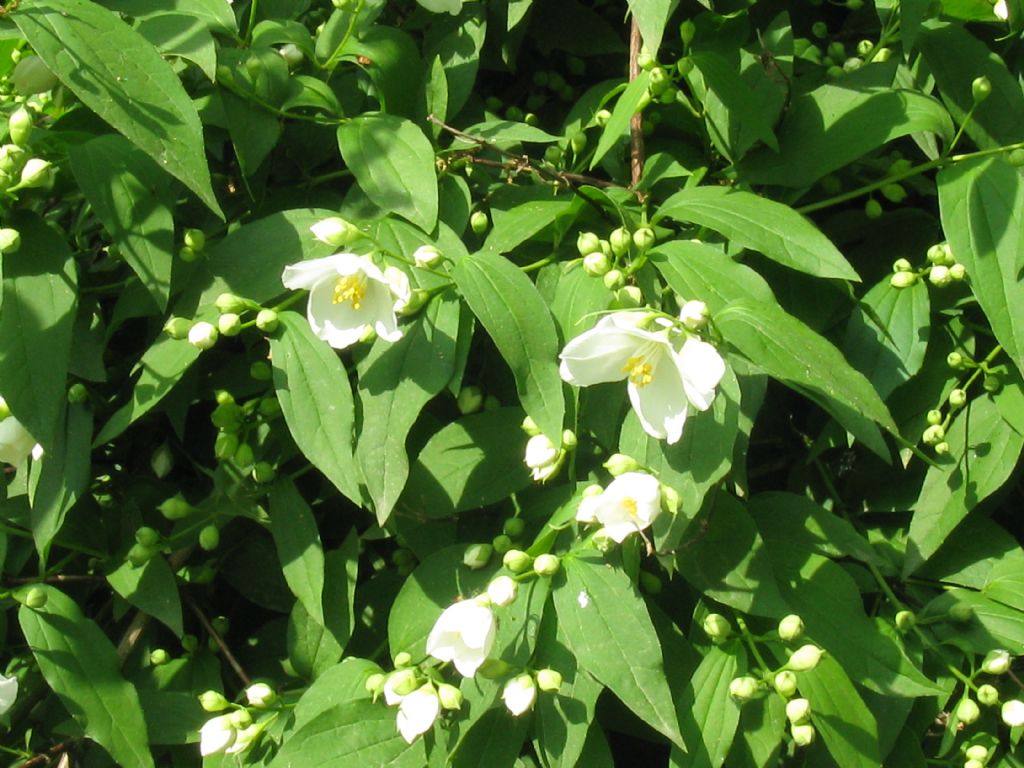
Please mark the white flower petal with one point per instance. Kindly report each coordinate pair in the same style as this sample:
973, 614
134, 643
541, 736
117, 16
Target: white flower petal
216, 735
463, 634
398, 282
418, 712
15, 441
601, 354
661, 403
8, 692
701, 368
305, 274
519, 694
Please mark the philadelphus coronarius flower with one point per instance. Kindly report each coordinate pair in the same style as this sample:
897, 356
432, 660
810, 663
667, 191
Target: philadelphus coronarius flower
629, 504
662, 380
519, 694
8, 692
15, 441
216, 735
349, 294
417, 712
543, 458
463, 635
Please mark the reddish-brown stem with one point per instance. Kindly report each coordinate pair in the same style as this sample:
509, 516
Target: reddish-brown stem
636, 123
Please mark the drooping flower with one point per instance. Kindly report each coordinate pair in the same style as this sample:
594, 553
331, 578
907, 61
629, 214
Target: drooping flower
8, 692
216, 735
502, 590
662, 381
630, 503
519, 694
543, 458
417, 712
349, 294
463, 634
454, 7
15, 441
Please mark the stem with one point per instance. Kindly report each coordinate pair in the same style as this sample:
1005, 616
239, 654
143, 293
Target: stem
748, 640
636, 122
253, 5
330, 63
246, 680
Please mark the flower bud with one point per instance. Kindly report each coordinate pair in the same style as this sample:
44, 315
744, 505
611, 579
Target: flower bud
147, 537
158, 657
516, 560
694, 315
620, 463
798, 711
981, 89
988, 695
32, 76
261, 371
717, 627
902, 265
404, 681
546, 565
213, 701
189, 643
955, 360
905, 621
939, 276
902, 279
785, 683
819, 29
502, 591
803, 734
36, 598
139, 555
991, 383
958, 272
240, 718
244, 456
225, 445
10, 240
267, 320
686, 31
554, 154
450, 696
996, 662
645, 60
974, 764
894, 193
613, 280
36, 173
470, 400
934, 417
194, 239
588, 243
513, 527
229, 303
77, 393
1013, 713
263, 472
967, 711
479, 222
519, 694
427, 257
291, 54
977, 752
596, 264
941, 449
744, 688
229, 324
176, 508
209, 538
375, 684
549, 680
501, 543
933, 435
628, 297
12, 157
791, 627
620, 240
961, 613
872, 208
335, 231
477, 556
260, 695
805, 658
203, 335
20, 125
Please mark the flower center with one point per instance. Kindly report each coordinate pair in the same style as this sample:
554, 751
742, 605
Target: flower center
350, 288
629, 504
640, 371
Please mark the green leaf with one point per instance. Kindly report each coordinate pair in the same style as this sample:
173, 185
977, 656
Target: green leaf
63, 477
845, 723
698, 271
212, 13
254, 131
708, 715
746, 116
519, 213
39, 304
787, 350
355, 733
341, 684
129, 193
652, 17
394, 65
760, 224
982, 208
395, 381
508, 306
573, 299
316, 399
394, 164
608, 628
992, 625
152, 589
887, 335
120, 76
618, 124
297, 540
185, 36
470, 463
495, 739
502, 132
81, 666
984, 450
458, 41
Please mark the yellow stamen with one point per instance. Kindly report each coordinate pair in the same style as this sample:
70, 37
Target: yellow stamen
350, 288
629, 504
640, 372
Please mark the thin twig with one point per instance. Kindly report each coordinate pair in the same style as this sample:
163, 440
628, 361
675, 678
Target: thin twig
636, 123
246, 680
44, 758
134, 632
60, 578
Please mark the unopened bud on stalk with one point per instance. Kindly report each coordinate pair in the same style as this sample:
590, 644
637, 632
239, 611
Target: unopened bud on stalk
10, 240
470, 400
905, 621
785, 683
477, 556
968, 711
427, 257
805, 658
229, 324
450, 696
791, 627
996, 662
549, 680
516, 560
613, 280
546, 565
213, 701
902, 279
620, 463
744, 688
203, 335
981, 89
803, 734
36, 173
335, 231
588, 243
988, 695
596, 264
267, 320
717, 628
798, 711
20, 125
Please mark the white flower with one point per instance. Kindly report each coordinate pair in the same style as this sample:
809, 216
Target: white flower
8, 692
418, 712
629, 504
543, 458
454, 7
1013, 713
502, 590
662, 381
1000, 10
15, 441
519, 694
260, 695
694, 314
216, 735
348, 294
464, 635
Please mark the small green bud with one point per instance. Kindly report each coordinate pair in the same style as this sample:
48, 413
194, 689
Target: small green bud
620, 240
684, 66
470, 400
619, 463
934, 417
864, 47
939, 276
596, 264
220, 625
902, 279
516, 560
905, 621
686, 32
403, 681
798, 711
403, 659
974, 764
578, 142
968, 711
601, 117
10, 240
977, 752
996, 662
269, 407
803, 734
628, 297
501, 544
158, 657
227, 416
744, 688
958, 272
894, 193
554, 154
1016, 158
646, 61
178, 327
450, 696
872, 209
427, 257
546, 565
613, 280
961, 613
147, 537
36, 173
549, 680
902, 265
644, 238
941, 449
194, 239
785, 683
957, 398
587, 243
36, 598
176, 508
229, 324
267, 320
819, 29
513, 527
988, 695
240, 718
229, 303
477, 556
263, 472
261, 371
210, 701
790, 628
209, 538
933, 434
203, 335
717, 628
479, 222
805, 658
77, 393
374, 684
981, 89
955, 360
225, 445
991, 383
139, 555
20, 125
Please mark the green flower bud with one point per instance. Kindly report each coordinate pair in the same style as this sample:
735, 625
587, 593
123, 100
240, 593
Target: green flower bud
203, 335
596, 264
578, 142
501, 544
957, 398
77, 393
613, 280
516, 560
650, 583
785, 683
619, 463
158, 657
5, 409
36, 598
374, 684
961, 613
744, 688
513, 527
229, 303
620, 240
209, 538
554, 154
902, 279
261, 371
803, 734
872, 208
628, 297
418, 299
991, 383
686, 32
269, 407
225, 445
549, 680
450, 696
194, 239
977, 752
546, 565
958, 272
479, 222
988, 695
212, 701
645, 60
902, 265
470, 400
267, 320
244, 456
967, 711
20, 125
32, 76
10, 240
939, 276
805, 658
404, 681
819, 29
587, 243
36, 173
139, 555
864, 47
427, 257
176, 508
260, 695
894, 193
147, 537
228, 417
798, 711
996, 662
263, 472
1016, 158
941, 449
934, 417
403, 659
933, 434
981, 89
240, 718
601, 117
644, 238
477, 556
684, 66
955, 360
717, 628
791, 627
905, 621
229, 324
974, 764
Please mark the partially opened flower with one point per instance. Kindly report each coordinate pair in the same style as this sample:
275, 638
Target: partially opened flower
418, 712
662, 381
519, 694
349, 294
8, 692
15, 441
216, 735
629, 504
463, 634
543, 458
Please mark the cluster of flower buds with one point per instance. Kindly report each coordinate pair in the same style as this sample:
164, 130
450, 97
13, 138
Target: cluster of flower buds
942, 269
543, 458
239, 726
20, 170
602, 256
